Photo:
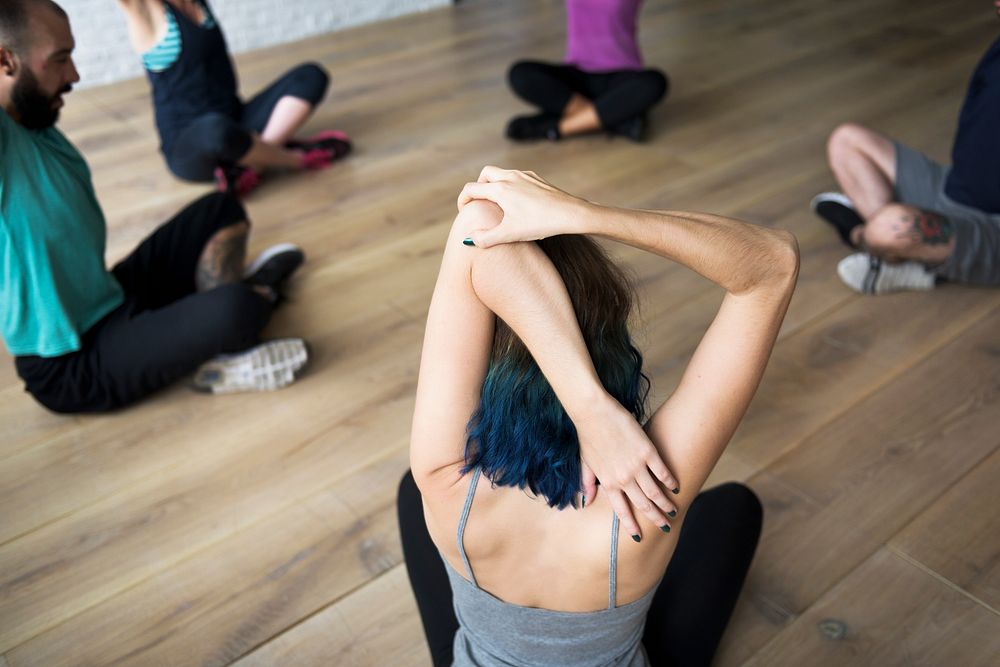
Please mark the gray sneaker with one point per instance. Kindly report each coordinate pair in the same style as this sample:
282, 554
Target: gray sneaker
868, 274
266, 367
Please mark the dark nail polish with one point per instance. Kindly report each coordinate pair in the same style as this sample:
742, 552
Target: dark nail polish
675, 490
636, 538
665, 528
672, 513
468, 241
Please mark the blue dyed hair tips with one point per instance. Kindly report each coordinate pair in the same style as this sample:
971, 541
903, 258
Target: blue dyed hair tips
520, 435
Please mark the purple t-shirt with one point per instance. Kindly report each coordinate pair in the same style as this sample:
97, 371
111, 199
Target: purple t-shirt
601, 35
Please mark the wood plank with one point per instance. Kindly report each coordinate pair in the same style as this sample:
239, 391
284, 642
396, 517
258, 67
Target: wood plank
888, 612
956, 535
833, 364
238, 593
377, 625
72, 564
847, 489
149, 536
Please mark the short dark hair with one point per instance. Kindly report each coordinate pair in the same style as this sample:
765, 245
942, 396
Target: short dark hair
14, 15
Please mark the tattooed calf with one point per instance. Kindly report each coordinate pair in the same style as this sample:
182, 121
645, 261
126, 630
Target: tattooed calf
927, 227
222, 260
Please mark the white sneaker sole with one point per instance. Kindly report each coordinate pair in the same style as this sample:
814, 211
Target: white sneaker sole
266, 367
838, 197
268, 253
867, 275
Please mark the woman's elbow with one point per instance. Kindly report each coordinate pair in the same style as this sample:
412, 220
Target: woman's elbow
477, 215
786, 254
776, 263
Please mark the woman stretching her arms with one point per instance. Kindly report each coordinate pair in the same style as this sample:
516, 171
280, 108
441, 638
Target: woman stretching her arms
206, 130
528, 368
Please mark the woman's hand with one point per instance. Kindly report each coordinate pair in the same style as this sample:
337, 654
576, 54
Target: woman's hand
532, 208
616, 450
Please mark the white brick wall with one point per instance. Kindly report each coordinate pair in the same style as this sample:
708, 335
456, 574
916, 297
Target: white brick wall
103, 53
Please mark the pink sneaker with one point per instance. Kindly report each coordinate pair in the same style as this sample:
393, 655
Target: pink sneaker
240, 181
321, 150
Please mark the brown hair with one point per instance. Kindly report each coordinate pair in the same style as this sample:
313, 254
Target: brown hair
521, 435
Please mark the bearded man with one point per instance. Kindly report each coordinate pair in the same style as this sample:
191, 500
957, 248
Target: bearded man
89, 339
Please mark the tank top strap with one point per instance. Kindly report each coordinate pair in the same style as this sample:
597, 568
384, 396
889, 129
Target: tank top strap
613, 569
207, 22
473, 483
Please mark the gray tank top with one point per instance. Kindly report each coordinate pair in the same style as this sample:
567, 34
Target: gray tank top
494, 632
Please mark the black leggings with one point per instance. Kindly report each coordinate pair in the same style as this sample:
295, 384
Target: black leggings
216, 139
617, 96
690, 608
164, 330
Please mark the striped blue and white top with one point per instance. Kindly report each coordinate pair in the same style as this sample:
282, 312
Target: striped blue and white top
166, 52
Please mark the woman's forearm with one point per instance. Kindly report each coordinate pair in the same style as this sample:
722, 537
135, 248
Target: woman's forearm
738, 256
520, 284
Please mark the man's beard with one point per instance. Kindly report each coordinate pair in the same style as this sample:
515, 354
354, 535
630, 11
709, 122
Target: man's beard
36, 110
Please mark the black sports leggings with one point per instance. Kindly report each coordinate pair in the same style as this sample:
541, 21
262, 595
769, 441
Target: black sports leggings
690, 608
617, 96
217, 139
165, 328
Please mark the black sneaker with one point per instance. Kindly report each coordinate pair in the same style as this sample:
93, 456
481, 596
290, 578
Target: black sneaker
634, 128
530, 128
273, 267
837, 209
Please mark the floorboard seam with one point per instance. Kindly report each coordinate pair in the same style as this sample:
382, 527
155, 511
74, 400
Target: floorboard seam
896, 551
319, 610
877, 387
207, 546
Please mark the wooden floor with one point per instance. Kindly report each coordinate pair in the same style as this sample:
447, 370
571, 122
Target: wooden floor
260, 529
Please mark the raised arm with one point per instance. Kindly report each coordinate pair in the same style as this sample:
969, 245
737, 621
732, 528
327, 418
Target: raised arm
145, 20
518, 283
756, 266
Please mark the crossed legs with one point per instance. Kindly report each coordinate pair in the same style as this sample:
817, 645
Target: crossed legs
263, 137
575, 102
864, 163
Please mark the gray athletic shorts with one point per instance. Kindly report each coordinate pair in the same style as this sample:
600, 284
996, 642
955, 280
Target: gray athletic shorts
976, 258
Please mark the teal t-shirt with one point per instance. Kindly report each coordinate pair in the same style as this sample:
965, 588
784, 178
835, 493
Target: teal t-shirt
53, 281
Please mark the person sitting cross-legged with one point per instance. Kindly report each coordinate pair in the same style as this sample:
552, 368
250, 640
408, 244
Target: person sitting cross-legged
917, 222
86, 339
206, 130
602, 85
531, 388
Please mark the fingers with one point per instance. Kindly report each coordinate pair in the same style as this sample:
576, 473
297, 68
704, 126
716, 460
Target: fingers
621, 507
589, 483
491, 174
650, 488
473, 191
488, 238
659, 468
646, 506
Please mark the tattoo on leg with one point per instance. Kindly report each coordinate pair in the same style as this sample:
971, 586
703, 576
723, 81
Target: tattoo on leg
222, 261
928, 227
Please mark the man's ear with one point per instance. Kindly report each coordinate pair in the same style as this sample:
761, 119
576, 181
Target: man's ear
8, 62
